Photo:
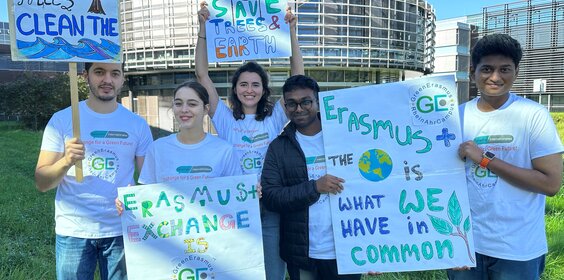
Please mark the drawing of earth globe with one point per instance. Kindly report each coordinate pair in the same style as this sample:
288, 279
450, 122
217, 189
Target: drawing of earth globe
375, 165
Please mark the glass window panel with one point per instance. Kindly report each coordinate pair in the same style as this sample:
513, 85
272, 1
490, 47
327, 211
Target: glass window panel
318, 75
335, 75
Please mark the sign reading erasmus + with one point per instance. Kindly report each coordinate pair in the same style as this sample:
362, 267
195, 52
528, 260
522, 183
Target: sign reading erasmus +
200, 229
65, 30
405, 204
247, 29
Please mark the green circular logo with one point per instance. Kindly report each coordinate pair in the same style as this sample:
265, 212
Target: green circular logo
375, 165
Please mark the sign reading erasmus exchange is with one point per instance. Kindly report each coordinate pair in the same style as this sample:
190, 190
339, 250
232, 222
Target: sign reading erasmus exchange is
200, 229
65, 30
405, 204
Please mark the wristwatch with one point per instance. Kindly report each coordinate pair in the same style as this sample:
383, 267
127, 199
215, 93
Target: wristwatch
487, 156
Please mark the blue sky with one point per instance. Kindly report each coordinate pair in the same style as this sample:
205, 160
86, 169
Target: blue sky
455, 8
3, 10
443, 8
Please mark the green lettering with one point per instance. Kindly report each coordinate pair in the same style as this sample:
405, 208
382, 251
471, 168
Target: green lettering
340, 111
180, 204
163, 197
365, 124
220, 197
145, 205
159, 232
222, 9
427, 250
208, 224
176, 228
407, 136
253, 9
384, 125
353, 256
406, 249
127, 202
391, 252
328, 108
446, 244
270, 9
431, 199
437, 105
353, 120
201, 191
428, 105
428, 144
193, 222
239, 8
372, 253
404, 209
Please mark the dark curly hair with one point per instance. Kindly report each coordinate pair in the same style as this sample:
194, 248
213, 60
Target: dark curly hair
497, 44
265, 106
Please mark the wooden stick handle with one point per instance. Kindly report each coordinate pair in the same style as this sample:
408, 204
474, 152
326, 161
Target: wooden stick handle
75, 114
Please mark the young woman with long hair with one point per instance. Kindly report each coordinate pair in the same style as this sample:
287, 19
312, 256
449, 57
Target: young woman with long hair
251, 123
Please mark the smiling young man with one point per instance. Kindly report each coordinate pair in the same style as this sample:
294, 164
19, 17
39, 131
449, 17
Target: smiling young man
112, 143
513, 161
296, 185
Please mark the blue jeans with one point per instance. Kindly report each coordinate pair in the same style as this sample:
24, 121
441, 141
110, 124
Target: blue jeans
77, 258
490, 268
274, 266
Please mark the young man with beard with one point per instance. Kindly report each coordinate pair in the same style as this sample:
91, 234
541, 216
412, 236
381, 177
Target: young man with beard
298, 188
112, 144
513, 161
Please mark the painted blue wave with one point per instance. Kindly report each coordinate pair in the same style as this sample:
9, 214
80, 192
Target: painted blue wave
60, 49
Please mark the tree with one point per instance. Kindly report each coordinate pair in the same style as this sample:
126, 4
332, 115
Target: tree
35, 98
96, 7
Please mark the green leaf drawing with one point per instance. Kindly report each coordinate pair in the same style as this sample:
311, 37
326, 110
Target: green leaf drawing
454, 211
467, 224
442, 226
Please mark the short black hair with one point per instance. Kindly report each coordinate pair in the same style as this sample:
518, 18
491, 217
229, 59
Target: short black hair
88, 65
497, 44
300, 82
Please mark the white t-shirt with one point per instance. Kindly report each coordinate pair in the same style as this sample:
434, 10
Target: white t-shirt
250, 138
508, 221
112, 141
169, 160
321, 243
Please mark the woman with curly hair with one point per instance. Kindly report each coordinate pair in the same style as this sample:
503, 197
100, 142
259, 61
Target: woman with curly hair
251, 123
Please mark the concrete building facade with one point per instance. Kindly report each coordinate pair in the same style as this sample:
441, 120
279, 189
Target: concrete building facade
537, 24
344, 44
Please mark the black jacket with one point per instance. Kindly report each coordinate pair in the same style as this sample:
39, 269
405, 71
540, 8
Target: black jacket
288, 190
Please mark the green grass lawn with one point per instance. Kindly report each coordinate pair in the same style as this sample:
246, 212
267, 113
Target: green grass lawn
27, 249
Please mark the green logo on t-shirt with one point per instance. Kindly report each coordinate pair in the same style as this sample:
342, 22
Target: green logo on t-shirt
254, 139
194, 169
488, 139
315, 159
109, 134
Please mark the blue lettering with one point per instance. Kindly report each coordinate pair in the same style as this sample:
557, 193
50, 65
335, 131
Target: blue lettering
19, 24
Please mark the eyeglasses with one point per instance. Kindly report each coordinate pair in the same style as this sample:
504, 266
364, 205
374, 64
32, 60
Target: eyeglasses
293, 106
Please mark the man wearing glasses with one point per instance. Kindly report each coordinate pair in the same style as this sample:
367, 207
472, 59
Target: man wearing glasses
296, 185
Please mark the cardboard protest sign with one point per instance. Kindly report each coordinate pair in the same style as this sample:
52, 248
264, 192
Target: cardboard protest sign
405, 204
247, 30
65, 30
200, 229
